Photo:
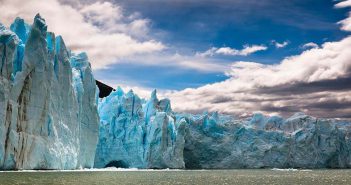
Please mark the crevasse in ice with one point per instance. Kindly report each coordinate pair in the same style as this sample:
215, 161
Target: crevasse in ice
48, 114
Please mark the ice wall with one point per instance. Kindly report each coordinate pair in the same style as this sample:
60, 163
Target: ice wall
147, 134
300, 141
139, 134
48, 115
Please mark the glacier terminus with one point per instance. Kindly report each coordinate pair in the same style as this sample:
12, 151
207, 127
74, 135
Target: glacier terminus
51, 117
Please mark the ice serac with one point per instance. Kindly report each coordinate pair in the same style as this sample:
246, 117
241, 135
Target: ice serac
48, 117
137, 133
164, 135
87, 95
121, 131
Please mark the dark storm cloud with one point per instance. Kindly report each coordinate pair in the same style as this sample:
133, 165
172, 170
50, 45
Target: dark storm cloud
322, 99
224, 99
286, 109
340, 84
221, 99
330, 105
321, 113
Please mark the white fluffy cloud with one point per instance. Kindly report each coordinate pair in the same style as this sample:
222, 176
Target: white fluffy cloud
310, 45
241, 94
306, 82
346, 23
111, 19
101, 29
247, 50
106, 33
343, 4
280, 45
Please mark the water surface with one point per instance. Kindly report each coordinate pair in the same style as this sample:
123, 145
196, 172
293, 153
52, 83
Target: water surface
153, 177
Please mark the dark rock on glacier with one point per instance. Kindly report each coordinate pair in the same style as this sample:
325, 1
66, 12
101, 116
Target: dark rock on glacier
104, 90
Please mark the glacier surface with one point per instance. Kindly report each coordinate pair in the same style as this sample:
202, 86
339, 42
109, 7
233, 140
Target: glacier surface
48, 102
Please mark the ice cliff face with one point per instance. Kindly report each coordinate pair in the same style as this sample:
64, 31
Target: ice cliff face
48, 114
49, 119
300, 141
135, 133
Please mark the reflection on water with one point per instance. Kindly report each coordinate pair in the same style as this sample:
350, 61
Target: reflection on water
154, 177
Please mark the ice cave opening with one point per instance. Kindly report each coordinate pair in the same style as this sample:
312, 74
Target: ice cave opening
117, 164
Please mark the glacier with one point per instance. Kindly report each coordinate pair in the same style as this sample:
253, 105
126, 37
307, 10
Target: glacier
300, 141
51, 117
48, 102
148, 134
135, 133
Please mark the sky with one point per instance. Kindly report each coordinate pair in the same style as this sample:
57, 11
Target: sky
232, 56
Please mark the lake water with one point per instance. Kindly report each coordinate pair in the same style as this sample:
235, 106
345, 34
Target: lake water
153, 177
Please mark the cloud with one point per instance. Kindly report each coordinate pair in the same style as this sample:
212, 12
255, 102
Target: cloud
199, 65
280, 45
310, 45
316, 82
339, 84
209, 53
247, 50
346, 23
101, 29
106, 33
111, 19
343, 4
180, 61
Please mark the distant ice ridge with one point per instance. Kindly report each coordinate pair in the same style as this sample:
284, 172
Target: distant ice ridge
48, 110
139, 134
300, 141
147, 134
